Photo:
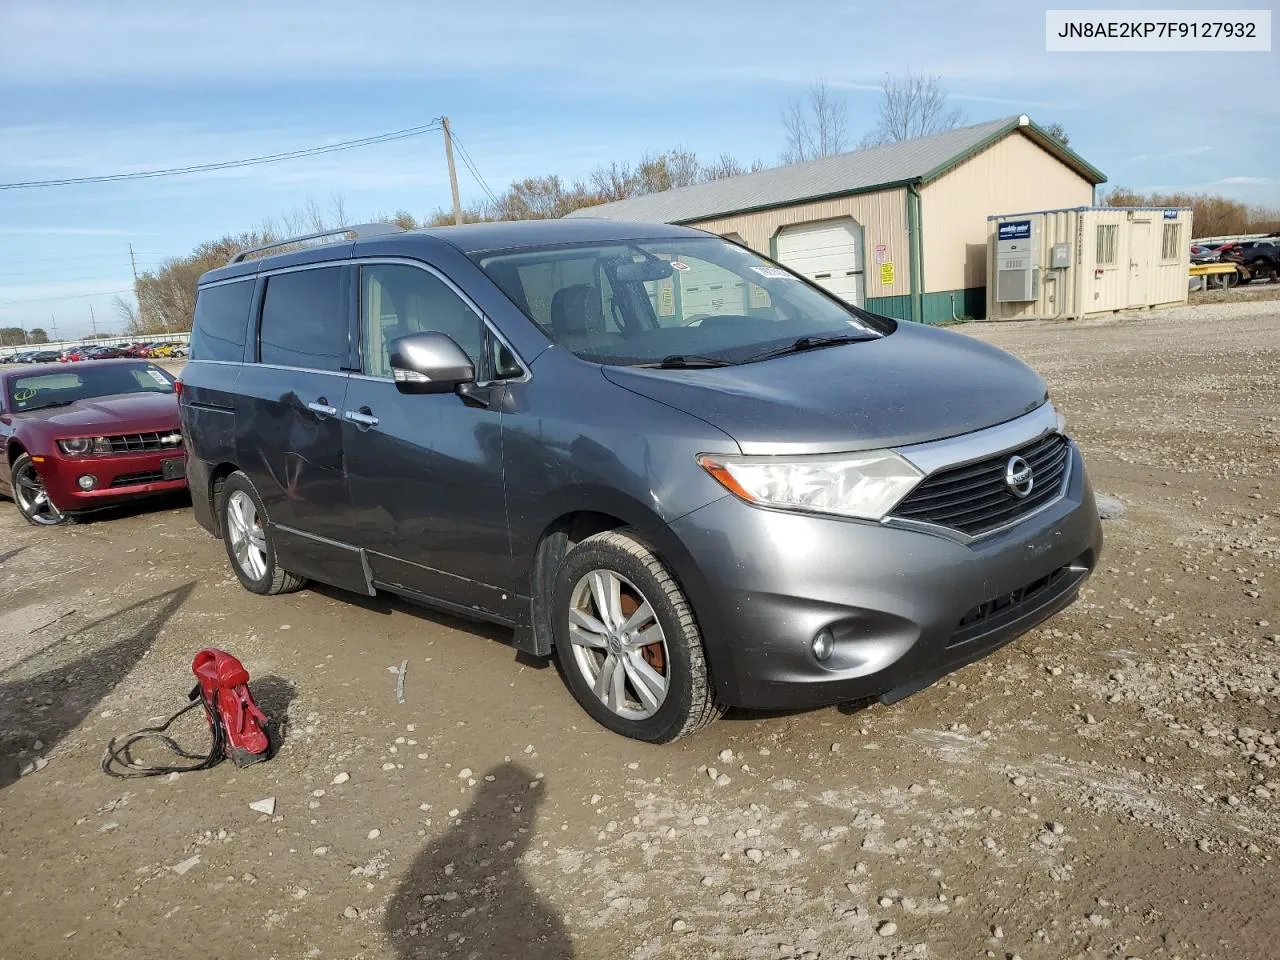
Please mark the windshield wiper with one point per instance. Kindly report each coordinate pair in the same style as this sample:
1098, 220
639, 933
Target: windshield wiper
800, 344
682, 361
47, 406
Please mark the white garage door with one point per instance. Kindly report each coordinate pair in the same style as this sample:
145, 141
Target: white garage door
828, 254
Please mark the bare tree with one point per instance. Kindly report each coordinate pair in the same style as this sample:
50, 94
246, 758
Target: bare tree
912, 105
817, 125
617, 181
1058, 132
127, 312
338, 209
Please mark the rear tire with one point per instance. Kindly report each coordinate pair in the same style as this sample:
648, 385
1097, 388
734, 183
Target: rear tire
627, 642
246, 533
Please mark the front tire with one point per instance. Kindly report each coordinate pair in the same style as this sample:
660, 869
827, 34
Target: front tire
627, 642
30, 495
247, 537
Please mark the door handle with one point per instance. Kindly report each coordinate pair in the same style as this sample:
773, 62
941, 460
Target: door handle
322, 407
362, 418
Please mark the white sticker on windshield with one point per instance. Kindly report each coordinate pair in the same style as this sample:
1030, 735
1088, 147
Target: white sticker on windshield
158, 377
677, 265
773, 273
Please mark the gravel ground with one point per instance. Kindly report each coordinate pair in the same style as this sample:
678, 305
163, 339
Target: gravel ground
1107, 786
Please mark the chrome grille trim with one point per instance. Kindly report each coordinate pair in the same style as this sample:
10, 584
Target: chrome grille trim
963, 496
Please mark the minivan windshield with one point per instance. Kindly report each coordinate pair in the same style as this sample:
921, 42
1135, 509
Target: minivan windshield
676, 302
86, 381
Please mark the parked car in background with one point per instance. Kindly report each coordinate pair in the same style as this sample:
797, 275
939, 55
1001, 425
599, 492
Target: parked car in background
160, 351
72, 354
75, 440
1261, 257
773, 501
43, 356
104, 353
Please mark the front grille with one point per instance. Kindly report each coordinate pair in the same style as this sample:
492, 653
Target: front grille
975, 499
132, 479
145, 442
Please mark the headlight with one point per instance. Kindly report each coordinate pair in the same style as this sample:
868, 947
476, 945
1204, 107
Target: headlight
79, 446
866, 485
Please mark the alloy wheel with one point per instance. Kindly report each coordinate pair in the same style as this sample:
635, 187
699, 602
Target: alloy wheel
618, 644
244, 528
33, 499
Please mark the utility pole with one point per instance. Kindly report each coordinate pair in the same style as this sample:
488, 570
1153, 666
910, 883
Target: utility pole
93, 322
53, 325
134, 263
453, 173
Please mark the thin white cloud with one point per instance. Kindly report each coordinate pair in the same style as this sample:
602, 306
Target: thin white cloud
73, 232
1242, 181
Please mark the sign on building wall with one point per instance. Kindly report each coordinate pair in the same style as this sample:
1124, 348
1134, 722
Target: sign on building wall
886, 274
1015, 230
882, 253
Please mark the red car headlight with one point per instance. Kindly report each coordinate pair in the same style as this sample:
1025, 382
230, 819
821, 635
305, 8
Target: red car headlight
82, 446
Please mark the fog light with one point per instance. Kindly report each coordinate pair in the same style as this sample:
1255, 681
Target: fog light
87, 482
824, 644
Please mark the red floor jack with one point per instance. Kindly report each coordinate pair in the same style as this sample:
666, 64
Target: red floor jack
237, 727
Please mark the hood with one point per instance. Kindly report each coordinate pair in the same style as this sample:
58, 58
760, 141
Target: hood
125, 413
914, 385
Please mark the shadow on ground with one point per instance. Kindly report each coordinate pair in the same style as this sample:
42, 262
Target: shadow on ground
47, 695
273, 695
466, 893
10, 554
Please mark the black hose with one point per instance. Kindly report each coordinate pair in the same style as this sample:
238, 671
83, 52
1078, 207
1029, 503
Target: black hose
117, 754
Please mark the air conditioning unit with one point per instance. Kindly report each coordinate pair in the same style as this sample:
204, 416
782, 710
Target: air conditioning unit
1016, 283
1017, 269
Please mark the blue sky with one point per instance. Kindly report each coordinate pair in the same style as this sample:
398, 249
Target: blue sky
90, 88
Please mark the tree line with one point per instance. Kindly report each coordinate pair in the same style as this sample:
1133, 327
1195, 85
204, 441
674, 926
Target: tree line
16, 336
1211, 215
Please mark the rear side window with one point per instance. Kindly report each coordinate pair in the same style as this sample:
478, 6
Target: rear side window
222, 317
303, 320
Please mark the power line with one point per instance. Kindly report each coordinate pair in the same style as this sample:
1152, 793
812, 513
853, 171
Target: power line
229, 164
471, 166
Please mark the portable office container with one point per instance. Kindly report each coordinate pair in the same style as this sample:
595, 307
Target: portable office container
1084, 261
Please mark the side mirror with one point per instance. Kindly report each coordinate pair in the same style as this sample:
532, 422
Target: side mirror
429, 363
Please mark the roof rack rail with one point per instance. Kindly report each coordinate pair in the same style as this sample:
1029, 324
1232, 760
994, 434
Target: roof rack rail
360, 231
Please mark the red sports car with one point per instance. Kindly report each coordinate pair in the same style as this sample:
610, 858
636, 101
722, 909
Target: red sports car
94, 435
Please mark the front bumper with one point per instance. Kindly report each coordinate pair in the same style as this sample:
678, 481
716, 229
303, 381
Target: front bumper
905, 606
120, 478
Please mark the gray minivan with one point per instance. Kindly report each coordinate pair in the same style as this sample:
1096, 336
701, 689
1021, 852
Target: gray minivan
693, 477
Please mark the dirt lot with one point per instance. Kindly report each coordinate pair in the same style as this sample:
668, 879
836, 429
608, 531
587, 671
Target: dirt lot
1108, 786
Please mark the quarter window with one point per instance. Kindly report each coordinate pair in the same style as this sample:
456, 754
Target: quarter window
222, 317
1106, 252
396, 301
303, 323
1171, 242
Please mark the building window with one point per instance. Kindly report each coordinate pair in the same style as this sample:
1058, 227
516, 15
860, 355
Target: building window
1106, 253
1171, 242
